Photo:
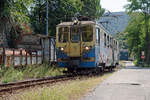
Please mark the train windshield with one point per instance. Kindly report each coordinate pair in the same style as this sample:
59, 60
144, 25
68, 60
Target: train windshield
87, 33
75, 34
63, 34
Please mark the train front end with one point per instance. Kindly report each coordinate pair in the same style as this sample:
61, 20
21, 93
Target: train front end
75, 44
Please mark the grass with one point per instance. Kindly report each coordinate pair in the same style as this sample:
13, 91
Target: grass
144, 65
71, 90
122, 63
35, 71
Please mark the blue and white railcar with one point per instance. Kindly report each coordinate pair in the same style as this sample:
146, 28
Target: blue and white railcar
84, 45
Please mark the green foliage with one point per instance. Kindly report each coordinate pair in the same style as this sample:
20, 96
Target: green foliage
136, 5
61, 10
34, 12
12, 75
121, 37
35, 71
41, 71
143, 35
92, 8
16, 10
136, 35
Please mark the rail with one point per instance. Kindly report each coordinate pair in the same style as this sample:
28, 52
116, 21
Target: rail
11, 87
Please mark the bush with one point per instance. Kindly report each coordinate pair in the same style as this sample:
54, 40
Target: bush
12, 75
136, 62
33, 71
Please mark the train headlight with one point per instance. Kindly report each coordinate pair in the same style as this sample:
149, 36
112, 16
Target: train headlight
87, 48
75, 21
62, 49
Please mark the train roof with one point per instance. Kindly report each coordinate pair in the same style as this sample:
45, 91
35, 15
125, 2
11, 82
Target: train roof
71, 23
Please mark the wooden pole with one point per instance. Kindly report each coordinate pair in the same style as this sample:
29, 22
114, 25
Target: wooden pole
36, 57
13, 57
21, 57
26, 58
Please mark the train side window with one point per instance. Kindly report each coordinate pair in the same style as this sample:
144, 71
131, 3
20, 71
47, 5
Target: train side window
63, 34
117, 45
108, 41
111, 42
114, 44
97, 35
105, 39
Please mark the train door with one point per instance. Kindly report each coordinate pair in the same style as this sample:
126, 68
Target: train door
75, 42
98, 52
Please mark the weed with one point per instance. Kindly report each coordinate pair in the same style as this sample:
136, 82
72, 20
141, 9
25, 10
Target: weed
31, 71
12, 75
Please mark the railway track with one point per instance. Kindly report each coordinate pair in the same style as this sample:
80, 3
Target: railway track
11, 87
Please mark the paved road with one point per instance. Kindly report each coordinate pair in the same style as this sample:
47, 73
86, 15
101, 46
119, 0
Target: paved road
131, 83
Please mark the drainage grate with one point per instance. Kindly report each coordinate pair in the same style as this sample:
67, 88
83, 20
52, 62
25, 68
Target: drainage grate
135, 84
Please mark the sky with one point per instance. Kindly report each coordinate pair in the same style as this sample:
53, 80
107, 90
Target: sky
114, 5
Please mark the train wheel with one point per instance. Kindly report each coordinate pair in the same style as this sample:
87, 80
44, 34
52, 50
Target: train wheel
110, 69
101, 69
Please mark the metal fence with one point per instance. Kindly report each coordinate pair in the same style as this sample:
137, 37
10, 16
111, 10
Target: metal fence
19, 57
28, 55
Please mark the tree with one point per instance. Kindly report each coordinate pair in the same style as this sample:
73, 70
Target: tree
144, 7
135, 35
14, 14
92, 8
121, 37
61, 10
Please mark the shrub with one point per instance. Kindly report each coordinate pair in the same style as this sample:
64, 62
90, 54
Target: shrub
12, 75
31, 71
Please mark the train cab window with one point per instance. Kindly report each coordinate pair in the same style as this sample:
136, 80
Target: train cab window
87, 33
75, 34
63, 34
104, 39
97, 35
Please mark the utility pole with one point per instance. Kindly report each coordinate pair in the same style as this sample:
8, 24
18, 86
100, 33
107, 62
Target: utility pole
47, 17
